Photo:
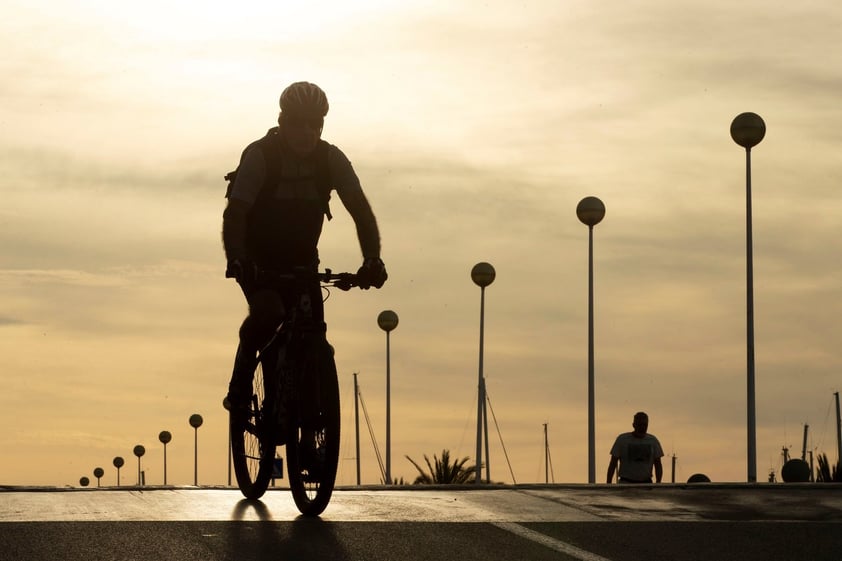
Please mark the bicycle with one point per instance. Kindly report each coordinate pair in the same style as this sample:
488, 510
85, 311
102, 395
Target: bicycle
294, 403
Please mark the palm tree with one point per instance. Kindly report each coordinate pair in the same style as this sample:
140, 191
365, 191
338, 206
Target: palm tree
827, 472
444, 471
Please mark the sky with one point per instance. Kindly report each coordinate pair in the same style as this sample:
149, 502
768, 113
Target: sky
475, 128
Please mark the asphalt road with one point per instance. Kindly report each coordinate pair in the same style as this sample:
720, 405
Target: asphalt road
536, 523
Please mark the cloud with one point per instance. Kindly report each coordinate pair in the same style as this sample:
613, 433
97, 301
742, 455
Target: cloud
6, 320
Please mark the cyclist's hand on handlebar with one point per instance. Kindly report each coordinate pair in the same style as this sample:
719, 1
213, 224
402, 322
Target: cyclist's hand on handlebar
345, 284
372, 273
241, 270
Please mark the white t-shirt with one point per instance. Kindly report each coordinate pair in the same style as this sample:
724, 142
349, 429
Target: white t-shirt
637, 455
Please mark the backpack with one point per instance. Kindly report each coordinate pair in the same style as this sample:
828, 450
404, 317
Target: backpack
273, 166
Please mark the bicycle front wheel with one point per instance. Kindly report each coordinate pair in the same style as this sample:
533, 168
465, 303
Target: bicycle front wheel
252, 438
312, 442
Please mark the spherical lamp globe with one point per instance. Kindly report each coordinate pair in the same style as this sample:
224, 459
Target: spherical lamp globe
387, 320
590, 211
483, 274
748, 129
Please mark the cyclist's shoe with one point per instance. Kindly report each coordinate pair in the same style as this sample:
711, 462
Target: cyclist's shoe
239, 388
236, 400
237, 404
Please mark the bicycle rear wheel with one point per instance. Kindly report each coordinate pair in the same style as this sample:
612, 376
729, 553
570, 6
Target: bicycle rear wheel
313, 435
252, 438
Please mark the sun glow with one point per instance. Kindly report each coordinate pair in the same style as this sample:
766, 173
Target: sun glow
192, 20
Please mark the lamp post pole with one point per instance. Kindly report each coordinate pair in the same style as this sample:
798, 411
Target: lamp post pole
139, 451
165, 437
590, 212
483, 274
98, 473
118, 463
747, 130
388, 320
196, 422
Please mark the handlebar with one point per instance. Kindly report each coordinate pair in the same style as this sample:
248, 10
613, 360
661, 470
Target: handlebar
342, 281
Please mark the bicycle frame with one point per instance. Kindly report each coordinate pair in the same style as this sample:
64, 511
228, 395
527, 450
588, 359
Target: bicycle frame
290, 339
295, 401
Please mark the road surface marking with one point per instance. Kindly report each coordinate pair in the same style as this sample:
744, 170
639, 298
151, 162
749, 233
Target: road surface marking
547, 541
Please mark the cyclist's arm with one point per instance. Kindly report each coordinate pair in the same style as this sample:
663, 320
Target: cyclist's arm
234, 229
350, 192
244, 191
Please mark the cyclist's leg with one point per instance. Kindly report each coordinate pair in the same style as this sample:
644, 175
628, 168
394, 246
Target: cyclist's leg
266, 310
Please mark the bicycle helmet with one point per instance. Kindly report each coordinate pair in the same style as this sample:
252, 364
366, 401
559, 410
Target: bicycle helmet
304, 98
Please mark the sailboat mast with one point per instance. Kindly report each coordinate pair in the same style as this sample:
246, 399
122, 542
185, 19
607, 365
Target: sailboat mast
838, 432
546, 456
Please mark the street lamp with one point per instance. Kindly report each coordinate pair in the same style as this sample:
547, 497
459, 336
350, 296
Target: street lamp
196, 422
747, 130
483, 274
98, 473
590, 211
388, 320
139, 451
165, 437
118, 463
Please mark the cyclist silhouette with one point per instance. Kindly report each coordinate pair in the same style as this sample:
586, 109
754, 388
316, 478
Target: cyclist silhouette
277, 200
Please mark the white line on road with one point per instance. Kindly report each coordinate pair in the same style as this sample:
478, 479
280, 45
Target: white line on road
547, 541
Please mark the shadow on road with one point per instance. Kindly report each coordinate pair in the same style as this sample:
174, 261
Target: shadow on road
243, 506
268, 540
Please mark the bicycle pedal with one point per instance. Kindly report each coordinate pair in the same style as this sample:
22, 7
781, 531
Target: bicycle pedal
313, 475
